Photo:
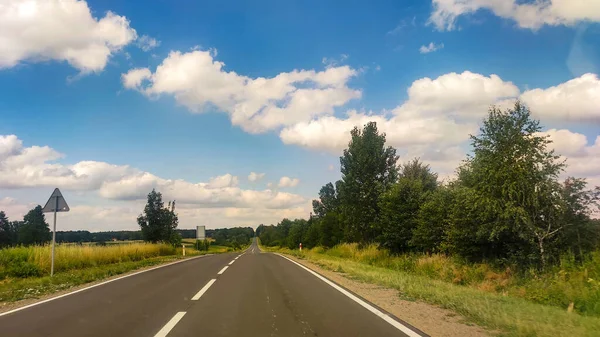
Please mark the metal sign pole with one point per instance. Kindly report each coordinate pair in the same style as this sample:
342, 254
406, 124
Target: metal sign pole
53, 238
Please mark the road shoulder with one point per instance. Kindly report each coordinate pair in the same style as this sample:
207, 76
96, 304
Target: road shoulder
431, 319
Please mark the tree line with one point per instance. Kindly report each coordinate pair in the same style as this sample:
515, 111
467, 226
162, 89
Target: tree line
33, 229
506, 204
157, 224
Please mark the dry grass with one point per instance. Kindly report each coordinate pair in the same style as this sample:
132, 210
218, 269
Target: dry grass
36, 260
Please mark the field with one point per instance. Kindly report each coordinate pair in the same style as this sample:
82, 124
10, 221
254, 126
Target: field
564, 301
25, 271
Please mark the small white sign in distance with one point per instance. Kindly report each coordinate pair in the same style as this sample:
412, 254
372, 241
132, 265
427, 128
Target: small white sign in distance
51, 205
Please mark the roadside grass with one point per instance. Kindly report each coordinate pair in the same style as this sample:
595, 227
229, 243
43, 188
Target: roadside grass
35, 261
25, 271
14, 289
495, 299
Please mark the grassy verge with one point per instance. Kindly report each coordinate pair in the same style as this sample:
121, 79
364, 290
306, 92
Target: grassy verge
512, 315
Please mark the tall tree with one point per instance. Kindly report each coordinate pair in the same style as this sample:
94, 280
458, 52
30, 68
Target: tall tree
157, 222
368, 170
34, 229
328, 201
513, 168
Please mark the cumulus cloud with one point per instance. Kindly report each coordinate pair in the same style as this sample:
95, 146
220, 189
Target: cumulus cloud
226, 180
431, 47
147, 43
333, 134
531, 15
435, 121
29, 167
574, 100
439, 113
253, 176
62, 30
583, 158
201, 83
288, 182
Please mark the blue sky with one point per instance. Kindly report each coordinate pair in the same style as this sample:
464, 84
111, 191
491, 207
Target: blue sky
185, 120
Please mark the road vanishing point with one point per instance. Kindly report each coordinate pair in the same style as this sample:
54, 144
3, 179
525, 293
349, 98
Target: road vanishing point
248, 293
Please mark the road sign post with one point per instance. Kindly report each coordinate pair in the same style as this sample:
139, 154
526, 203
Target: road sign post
55, 204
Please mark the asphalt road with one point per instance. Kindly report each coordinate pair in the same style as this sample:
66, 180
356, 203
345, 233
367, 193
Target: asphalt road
258, 294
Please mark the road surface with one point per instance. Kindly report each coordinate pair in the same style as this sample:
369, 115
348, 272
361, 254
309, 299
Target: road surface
233, 294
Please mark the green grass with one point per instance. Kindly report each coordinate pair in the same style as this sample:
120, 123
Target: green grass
14, 289
24, 271
496, 301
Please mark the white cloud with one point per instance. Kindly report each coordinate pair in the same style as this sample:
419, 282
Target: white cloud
199, 82
253, 176
431, 47
574, 100
467, 94
288, 182
29, 167
62, 30
531, 14
135, 77
439, 112
582, 159
333, 134
147, 43
223, 181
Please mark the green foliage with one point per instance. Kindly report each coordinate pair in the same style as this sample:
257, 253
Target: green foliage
399, 209
229, 236
514, 175
432, 221
506, 206
368, 170
328, 200
34, 229
158, 223
202, 245
5, 231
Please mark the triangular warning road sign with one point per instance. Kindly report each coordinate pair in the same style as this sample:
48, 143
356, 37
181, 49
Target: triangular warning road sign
57, 202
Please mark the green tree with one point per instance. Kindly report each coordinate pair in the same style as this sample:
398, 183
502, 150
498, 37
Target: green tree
158, 223
34, 229
399, 210
417, 170
401, 203
368, 169
296, 233
312, 234
5, 230
331, 230
328, 200
580, 234
433, 220
515, 173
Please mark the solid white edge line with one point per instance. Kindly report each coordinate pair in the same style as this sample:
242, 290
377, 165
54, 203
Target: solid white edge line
99, 284
170, 324
232, 261
203, 290
223, 270
364, 304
